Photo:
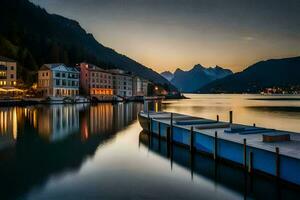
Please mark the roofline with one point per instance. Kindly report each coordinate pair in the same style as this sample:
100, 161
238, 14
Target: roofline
58, 64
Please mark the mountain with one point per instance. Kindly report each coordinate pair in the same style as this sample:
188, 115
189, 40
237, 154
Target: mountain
190, 81
271, 73
167, 75
32, 36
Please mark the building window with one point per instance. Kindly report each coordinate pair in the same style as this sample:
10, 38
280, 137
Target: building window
12, 68
63, 75
57, 74
11, 76
57, 82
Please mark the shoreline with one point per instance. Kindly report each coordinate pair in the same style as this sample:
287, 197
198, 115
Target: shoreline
45, 101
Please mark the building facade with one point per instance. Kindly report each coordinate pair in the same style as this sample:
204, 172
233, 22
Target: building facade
140, 86
8, 72
122, 83
58, 80
95, 80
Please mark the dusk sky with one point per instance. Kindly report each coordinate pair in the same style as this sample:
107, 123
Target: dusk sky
167, 34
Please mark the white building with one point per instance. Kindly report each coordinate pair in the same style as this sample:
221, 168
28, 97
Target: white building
57, 80
122, 83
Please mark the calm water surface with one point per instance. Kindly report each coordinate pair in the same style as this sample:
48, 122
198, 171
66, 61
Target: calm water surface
100, 152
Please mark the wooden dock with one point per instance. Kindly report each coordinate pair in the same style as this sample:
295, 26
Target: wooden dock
247, 146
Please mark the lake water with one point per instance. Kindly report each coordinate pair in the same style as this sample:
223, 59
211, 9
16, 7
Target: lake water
100, 152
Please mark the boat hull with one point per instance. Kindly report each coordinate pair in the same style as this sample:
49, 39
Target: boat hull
144, 122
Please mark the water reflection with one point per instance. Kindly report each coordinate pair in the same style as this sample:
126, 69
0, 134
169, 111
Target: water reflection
97, 152
153, 105
276, 112
9, 124
226, 175
53, 140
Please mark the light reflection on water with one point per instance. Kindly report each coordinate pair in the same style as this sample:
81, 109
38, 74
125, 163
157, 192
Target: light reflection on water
99, 152
278, 112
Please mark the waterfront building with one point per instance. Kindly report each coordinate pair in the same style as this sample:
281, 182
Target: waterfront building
95, 80
139, 86
58, 80
122, 83
8, 72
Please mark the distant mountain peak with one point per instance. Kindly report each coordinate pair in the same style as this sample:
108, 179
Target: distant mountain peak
167, 75
166, 72
178, 70
191, 80
198, 66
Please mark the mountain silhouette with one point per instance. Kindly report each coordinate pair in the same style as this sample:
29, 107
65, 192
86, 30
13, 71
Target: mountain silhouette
271, 73
190, 81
